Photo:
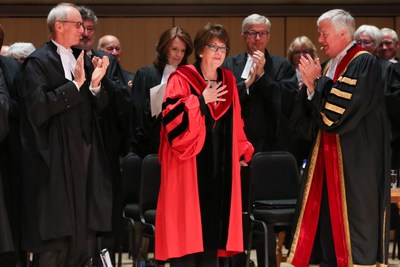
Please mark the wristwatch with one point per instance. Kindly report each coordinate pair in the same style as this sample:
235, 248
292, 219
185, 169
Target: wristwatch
316, 80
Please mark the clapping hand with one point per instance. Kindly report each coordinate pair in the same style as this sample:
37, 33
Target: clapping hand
100, 68
310, 69
79, 71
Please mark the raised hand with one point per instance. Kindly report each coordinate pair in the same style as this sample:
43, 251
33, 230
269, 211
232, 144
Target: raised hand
100, 68
79, 71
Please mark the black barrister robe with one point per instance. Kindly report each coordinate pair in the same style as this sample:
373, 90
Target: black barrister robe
66, 180
6, 242
146, 128
10, 162
347, 119
267, 105
114, 126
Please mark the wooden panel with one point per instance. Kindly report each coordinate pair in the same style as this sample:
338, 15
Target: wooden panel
379, 22
138, 37
277, 42
33, 30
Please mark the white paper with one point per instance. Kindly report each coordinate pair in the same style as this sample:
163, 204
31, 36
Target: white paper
247, 68
156, 98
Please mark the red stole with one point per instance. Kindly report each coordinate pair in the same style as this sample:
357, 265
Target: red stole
329, 159
199, 84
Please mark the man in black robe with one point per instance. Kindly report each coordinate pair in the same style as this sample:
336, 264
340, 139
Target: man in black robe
66, 182
343, 208
267, 87
114, 123
10, 158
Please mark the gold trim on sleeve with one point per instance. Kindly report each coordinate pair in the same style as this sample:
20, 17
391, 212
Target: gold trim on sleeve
341, 93
347, 80
334, 108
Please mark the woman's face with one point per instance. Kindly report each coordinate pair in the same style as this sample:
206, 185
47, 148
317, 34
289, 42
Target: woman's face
176, 51
214, 53
300, 51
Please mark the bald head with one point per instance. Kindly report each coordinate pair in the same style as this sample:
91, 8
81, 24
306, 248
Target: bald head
111, 45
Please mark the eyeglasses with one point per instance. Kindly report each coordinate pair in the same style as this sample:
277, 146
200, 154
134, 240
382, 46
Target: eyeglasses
254, 34
78, 24
365, 42
215, 48
302, 52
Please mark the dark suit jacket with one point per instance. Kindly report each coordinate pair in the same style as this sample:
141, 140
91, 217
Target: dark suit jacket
66, 180
266, 107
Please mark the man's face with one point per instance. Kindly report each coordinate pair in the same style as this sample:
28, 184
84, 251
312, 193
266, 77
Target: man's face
332, 42
112, 46
256, 37
70, 30
88, 36
388, 47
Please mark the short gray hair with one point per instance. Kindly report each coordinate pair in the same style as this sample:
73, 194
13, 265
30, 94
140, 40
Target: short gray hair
20, 50
391, 32
255, 19
372, 31
58, 13
340, 19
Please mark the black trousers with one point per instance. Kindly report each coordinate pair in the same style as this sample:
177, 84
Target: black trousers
202, 259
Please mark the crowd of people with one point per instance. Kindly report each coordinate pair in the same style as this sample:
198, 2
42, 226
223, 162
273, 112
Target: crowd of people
69, 112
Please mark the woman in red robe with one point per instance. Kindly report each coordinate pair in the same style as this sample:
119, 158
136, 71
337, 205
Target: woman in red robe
202, 146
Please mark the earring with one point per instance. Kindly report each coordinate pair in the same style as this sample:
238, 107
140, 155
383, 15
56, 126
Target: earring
200, 55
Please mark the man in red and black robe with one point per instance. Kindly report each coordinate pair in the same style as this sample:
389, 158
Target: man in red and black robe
343, 208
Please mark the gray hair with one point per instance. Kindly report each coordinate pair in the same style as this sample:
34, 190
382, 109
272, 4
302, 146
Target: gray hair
340, 19
88, 14
392, 33
255, 19
58, 13
20, 50
372, 32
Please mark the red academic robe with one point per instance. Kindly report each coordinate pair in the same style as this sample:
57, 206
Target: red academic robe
351, 153
178, 218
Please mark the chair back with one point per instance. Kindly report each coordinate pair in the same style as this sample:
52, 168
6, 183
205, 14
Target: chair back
150, 183
274, 176
130, 172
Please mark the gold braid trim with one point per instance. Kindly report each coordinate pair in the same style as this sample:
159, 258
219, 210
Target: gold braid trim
341, 93
310, 176
344, 200
347, 80
334, 108
378, 264
326, 120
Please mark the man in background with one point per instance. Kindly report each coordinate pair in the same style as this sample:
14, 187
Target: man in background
389, 45
114, 124
267, 87
111, 45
